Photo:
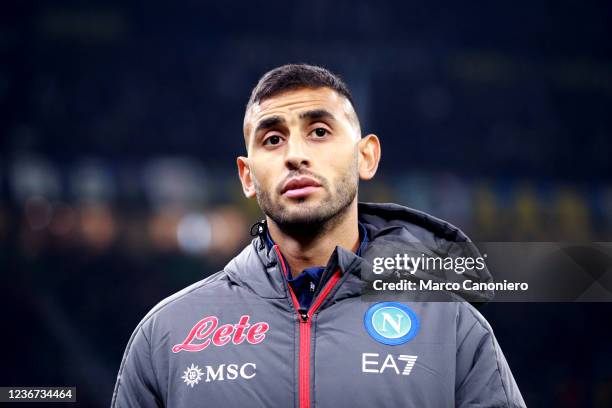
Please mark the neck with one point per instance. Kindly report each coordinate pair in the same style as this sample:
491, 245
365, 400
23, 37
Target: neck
304, 249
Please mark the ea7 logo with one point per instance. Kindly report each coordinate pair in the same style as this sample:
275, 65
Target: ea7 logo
373, 363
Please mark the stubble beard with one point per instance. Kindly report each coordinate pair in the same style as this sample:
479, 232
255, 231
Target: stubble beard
317, 218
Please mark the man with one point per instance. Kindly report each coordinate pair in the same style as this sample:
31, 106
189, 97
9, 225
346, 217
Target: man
285, 323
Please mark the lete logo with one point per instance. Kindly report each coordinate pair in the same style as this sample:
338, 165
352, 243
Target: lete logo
208, 331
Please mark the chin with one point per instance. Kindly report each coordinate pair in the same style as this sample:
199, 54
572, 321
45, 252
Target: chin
303, 214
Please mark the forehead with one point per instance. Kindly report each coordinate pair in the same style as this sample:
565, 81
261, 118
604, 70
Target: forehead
295, 101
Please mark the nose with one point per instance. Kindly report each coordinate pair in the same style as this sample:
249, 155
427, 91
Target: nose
297, 154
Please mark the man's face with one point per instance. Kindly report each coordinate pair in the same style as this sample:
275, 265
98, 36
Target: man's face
302, 155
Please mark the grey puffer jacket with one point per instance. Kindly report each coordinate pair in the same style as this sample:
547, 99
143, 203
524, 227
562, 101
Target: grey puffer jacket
239, 338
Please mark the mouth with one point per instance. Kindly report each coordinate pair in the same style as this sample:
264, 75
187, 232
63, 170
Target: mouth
300, 187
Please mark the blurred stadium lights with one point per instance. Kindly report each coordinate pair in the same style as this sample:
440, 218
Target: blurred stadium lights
177, 182
165, 204
97, 226
528, 214
162, 227
573, 215
92, 182
216, 232
34, 176
452, 198
229, 230
63, 221
194, 234
38, 212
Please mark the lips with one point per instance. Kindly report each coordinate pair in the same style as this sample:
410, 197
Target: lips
300, 187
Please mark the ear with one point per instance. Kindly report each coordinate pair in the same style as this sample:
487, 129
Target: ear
246, 178
369, 156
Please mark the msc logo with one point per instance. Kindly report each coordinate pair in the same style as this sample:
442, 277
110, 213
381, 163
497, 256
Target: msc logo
194, 374
391, 323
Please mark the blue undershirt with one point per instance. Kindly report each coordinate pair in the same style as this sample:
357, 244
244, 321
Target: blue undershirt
305, 284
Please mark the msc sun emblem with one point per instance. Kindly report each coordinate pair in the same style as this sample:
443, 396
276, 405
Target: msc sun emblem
192, 375
391, 323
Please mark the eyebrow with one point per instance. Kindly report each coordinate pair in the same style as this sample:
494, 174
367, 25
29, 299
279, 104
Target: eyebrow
274, 121
317, 114
268, 123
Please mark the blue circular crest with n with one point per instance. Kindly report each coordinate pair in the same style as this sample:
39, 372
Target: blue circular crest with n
391, 323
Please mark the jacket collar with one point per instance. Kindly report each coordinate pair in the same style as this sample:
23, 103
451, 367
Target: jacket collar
391, 229
259, 269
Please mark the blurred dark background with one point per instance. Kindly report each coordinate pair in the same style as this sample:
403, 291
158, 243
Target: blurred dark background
120, 123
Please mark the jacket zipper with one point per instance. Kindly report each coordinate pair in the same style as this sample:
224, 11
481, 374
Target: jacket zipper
305, 321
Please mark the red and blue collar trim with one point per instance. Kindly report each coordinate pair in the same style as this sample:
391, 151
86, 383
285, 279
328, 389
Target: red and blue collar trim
305, 284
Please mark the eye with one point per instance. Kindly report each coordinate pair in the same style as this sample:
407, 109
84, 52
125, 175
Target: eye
272, 140
321, 132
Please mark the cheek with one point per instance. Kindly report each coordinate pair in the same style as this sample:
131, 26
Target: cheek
264, 174
342, 160
341, 164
